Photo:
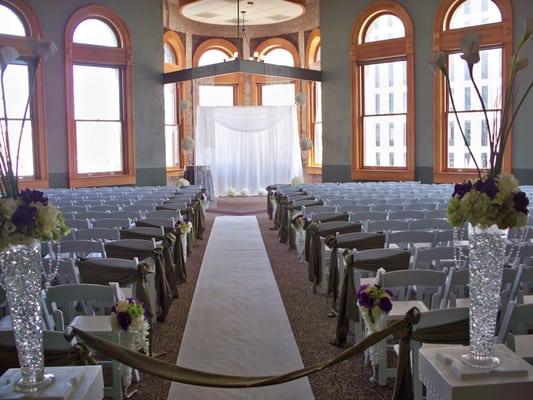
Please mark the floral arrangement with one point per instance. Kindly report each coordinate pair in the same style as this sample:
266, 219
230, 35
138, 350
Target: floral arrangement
245, 192
231, 192
493, 198
262, 193
129, 316
184, 104
300, 98
374, 302
28, 217
24, 215
489, 202
182, 182
297, 180
187, 143
185, 226
298, 221
306, 144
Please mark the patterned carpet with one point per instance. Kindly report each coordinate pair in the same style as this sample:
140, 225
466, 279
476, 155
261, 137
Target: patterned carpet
307, 314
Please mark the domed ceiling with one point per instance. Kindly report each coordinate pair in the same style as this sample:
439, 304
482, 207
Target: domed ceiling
257, 12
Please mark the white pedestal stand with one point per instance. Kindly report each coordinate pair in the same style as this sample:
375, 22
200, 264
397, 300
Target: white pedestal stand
446, 377
72, 383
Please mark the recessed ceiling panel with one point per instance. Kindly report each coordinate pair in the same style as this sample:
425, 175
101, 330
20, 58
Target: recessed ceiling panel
258, 12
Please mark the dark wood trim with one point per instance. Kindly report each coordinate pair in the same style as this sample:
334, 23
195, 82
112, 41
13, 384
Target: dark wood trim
444, 39
120, 57
381, 51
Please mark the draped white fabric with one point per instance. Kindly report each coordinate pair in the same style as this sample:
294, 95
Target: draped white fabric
248, 147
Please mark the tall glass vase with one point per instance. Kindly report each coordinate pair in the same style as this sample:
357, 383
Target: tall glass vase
487, 258
21, 268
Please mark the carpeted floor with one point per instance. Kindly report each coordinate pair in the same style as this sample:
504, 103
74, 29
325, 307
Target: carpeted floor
307, 314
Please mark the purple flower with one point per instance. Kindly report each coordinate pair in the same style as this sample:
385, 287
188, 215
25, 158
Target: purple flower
385, 304
33, 196
487, 186
23, 218
124, 320
365, 300
461, 189
521, 202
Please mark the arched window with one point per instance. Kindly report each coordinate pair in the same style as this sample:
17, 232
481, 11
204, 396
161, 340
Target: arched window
492, 19
18, 23
99, 98
383, 93
222, 91
314, 109
173, 57
278, 51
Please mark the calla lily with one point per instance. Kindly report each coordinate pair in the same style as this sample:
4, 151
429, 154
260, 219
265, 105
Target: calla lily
439, 61
7, 56
528, 27
521, 64
470, 48
42, 49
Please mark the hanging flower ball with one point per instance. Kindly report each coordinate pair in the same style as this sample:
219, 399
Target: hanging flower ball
300, 98
306, 144
187, 143
297, 180
184, 104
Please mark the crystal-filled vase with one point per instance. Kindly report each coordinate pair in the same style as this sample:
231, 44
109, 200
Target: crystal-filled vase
183, 238
21, 268
487, 259
299, 242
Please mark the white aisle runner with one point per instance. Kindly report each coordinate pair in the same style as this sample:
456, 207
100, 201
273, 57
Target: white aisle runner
237, 323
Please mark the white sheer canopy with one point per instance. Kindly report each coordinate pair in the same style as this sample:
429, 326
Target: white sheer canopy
248, 147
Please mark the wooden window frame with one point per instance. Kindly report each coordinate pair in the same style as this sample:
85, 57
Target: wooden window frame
313, 44
37, 106
493, 35
116, 57
381, 51
176, 45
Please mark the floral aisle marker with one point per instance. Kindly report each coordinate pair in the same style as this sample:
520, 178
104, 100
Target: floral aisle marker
374, 303
128, 318
298, 222
26, 219
489, 204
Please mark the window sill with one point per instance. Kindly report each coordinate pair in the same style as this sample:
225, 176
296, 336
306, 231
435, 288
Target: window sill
174, 171
102, 180
33, 184
314, 170
383, 175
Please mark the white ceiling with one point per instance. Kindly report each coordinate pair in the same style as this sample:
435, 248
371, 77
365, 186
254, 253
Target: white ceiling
224, 12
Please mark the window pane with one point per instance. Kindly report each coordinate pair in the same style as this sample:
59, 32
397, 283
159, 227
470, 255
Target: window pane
170, 104
317, 145
474, 128
26, 146
380, 155
96, 32
318, 101
171, 146
215, 95
11, 23
96, 93
488, 76
279, 57
212, 56
475, 12
169, 57
16, 80
386, 93
93, 155
278, 94
385, 27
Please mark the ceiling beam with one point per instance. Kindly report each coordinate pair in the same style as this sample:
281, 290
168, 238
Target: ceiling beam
244, 66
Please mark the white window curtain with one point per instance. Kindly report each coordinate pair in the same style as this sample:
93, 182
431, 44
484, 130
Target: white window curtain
248, 147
